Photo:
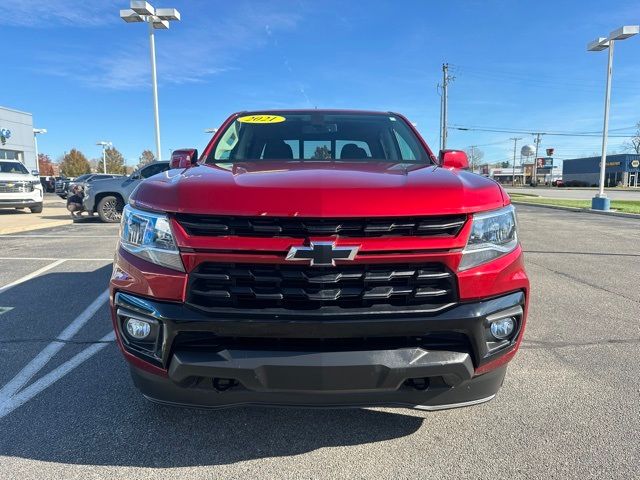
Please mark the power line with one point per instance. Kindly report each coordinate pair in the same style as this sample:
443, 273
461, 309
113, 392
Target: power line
533, 132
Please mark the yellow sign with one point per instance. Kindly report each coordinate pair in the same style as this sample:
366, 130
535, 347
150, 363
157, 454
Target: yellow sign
261, 119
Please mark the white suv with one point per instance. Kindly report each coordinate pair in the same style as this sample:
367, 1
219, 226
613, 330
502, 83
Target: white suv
18, 187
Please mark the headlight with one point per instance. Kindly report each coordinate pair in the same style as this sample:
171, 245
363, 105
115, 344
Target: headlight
493, 234
148, 235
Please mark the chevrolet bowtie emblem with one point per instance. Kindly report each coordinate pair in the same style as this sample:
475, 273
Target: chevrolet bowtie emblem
321, 254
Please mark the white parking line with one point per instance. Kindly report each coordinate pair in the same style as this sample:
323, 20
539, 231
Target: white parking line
47, 353
58, 236
31, 275
49, 259
50, 378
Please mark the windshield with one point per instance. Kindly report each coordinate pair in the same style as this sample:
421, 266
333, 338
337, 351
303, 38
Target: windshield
12, 167
318, 137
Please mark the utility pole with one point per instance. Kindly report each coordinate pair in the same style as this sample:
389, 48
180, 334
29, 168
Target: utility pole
534, 180
446, 78
513, 176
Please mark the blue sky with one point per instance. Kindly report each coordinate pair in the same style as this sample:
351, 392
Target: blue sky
85, 75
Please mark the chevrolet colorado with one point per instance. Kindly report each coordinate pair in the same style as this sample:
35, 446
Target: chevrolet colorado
319, 258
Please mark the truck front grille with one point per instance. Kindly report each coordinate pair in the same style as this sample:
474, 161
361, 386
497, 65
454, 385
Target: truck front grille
253, 286
204, 225
16, 187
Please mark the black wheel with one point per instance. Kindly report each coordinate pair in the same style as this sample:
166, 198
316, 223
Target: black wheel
37, 209
110, 209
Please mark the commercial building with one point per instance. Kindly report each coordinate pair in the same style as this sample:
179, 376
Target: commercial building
523, 175
16, 137
621, 170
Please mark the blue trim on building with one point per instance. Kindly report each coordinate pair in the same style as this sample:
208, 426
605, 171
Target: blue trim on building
615, 163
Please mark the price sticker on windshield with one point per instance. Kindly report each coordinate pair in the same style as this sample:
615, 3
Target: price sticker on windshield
261, 119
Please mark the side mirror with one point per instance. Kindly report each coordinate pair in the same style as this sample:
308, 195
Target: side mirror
454, 159
35, 173
184, 158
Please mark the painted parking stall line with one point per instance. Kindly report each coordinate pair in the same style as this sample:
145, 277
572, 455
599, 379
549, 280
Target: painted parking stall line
50, 259
47, 353
31, 275
50, 378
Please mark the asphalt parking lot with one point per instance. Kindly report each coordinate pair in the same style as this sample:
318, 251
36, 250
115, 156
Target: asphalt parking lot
569, 408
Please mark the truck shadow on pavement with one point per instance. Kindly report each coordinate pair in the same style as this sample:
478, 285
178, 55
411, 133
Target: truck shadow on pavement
96, 417
93, 415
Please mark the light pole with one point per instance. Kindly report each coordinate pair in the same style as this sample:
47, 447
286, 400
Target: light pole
157, 18
600, 201
513, 176
36, 132
104, 153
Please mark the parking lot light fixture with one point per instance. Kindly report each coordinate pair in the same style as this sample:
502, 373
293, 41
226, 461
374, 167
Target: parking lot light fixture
159, 18
104, 153
36, 132
600, 201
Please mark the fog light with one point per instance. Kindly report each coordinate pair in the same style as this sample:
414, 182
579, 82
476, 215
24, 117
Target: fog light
137, 329
503, 328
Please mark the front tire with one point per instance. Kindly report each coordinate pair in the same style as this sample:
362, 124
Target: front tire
110, 209
36, 209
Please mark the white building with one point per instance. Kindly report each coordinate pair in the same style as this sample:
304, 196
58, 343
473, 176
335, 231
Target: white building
16, 137
523, 175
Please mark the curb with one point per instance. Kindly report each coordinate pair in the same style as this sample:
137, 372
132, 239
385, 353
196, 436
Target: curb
579, 210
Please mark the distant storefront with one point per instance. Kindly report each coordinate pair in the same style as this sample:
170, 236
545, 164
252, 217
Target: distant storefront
16, 137
620, 170
523, 175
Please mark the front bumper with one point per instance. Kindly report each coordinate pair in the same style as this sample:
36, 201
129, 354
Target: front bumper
406, 359
20, 202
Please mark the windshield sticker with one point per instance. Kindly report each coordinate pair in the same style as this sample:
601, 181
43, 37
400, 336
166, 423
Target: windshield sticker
261, 119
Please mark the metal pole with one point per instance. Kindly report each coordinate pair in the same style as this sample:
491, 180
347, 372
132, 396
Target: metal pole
154, 82
445, 100
441, 100
35, 143
513, 176
104, 158
534, 179
605, 127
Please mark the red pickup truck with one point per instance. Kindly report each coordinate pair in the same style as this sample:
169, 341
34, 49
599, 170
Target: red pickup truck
319, 258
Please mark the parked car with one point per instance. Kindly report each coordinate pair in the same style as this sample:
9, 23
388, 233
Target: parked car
557, 183
319, 258
108, 197
19, 188
65, 185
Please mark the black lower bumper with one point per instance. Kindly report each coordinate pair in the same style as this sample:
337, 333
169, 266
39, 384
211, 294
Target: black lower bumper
437, 396
16, 203
421, 361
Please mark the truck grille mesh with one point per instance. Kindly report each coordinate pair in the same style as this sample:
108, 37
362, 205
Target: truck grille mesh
16, 187
249, 286
204, 225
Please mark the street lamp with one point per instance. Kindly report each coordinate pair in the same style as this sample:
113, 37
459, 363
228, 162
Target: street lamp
36, 132
104, 153
600, 201
157, 18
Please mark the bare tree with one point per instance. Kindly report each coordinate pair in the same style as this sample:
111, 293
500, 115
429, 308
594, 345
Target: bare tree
475, 155
633, 144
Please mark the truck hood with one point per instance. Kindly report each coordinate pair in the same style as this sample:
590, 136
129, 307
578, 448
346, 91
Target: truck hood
318, 189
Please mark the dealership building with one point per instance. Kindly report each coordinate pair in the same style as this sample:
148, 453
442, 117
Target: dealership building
622, 169
16, 137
